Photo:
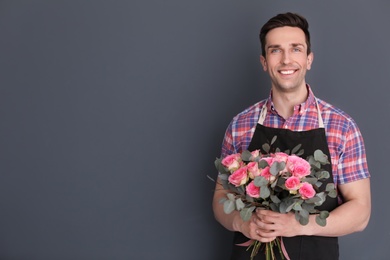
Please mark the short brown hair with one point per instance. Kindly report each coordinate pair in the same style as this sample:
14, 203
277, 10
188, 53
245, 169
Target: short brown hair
281, 20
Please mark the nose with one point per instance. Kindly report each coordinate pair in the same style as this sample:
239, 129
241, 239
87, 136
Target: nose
286, 58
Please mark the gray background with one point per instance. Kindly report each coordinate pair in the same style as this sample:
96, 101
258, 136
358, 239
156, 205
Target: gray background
112, 113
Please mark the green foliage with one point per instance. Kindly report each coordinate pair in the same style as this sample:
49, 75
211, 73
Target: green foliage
263, 164
264, 192
246, 213
260, 181
321, 218
228, 206
246, 156
266, 147
273, 193
239, 204
277, 167
319, 156
296, 149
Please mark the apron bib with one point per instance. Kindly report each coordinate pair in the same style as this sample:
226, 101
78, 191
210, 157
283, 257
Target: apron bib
299, 247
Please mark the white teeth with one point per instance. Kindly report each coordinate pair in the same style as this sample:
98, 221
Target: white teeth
287, 72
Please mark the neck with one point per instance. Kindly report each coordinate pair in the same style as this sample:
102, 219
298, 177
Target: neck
285, 102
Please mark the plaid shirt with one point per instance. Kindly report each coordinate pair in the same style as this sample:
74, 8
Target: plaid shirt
344, 139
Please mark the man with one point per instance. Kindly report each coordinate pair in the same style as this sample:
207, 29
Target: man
296, 116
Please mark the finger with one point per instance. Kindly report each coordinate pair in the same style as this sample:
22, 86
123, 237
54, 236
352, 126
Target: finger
264, 237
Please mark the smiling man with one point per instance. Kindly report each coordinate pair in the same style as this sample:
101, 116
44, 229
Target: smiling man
296, 116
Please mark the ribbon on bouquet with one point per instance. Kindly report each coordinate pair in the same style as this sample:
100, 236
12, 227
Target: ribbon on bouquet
251, 241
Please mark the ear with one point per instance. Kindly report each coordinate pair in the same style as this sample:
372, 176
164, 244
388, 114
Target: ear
263, 62
310, 59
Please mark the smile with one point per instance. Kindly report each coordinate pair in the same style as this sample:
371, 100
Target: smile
286, 72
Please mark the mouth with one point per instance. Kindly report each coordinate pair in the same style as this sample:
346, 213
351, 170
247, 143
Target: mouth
287, 72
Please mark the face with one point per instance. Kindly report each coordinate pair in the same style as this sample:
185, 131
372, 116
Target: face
286, 58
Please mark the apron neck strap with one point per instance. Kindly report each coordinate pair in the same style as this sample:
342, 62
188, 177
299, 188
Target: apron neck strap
263, 114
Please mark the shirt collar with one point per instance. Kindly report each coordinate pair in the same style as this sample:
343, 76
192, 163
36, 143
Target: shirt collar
300, 108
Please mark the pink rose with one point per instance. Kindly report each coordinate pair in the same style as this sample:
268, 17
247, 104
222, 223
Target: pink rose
293, 183
255, 153
232, 162
298, 166
280, 157
239, 177
252, 190
307, 191
253, 169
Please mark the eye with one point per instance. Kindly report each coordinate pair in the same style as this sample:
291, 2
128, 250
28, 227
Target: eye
275, 50
297, 50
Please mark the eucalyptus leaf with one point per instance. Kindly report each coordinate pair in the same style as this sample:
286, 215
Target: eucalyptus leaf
257, 159
304, 213
310, 180
232, 188
220, 167
320, 157
241, 190
228, 206
322, 197
273, 139
275, 199
274, 207
266, 147
313, 200
290, 205
318, 184
246, 213
309, 207
297, 216
323, 175
320, 221
301, 152
296, 149
249, 198
225, 184
263, 164
297, 207
239, 204
303, 221
264, 192
260, 181
313, 162
287, 151
324, 214
286, 206
231, 196
265, 203
276, 167
223, 176
246, 156
330, 186
332, 194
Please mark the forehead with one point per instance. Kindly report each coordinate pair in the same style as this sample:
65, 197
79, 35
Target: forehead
285, 36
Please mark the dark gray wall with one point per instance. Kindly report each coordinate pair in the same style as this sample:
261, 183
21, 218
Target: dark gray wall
112, 112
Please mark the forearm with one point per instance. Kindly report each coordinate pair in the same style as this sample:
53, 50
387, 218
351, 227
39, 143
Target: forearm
351, 216
230, 221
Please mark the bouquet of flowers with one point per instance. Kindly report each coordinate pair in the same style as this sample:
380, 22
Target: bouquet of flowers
279, 181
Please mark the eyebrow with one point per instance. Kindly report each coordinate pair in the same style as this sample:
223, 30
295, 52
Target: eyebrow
275, 46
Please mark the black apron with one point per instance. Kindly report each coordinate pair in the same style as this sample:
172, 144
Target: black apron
299, 247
